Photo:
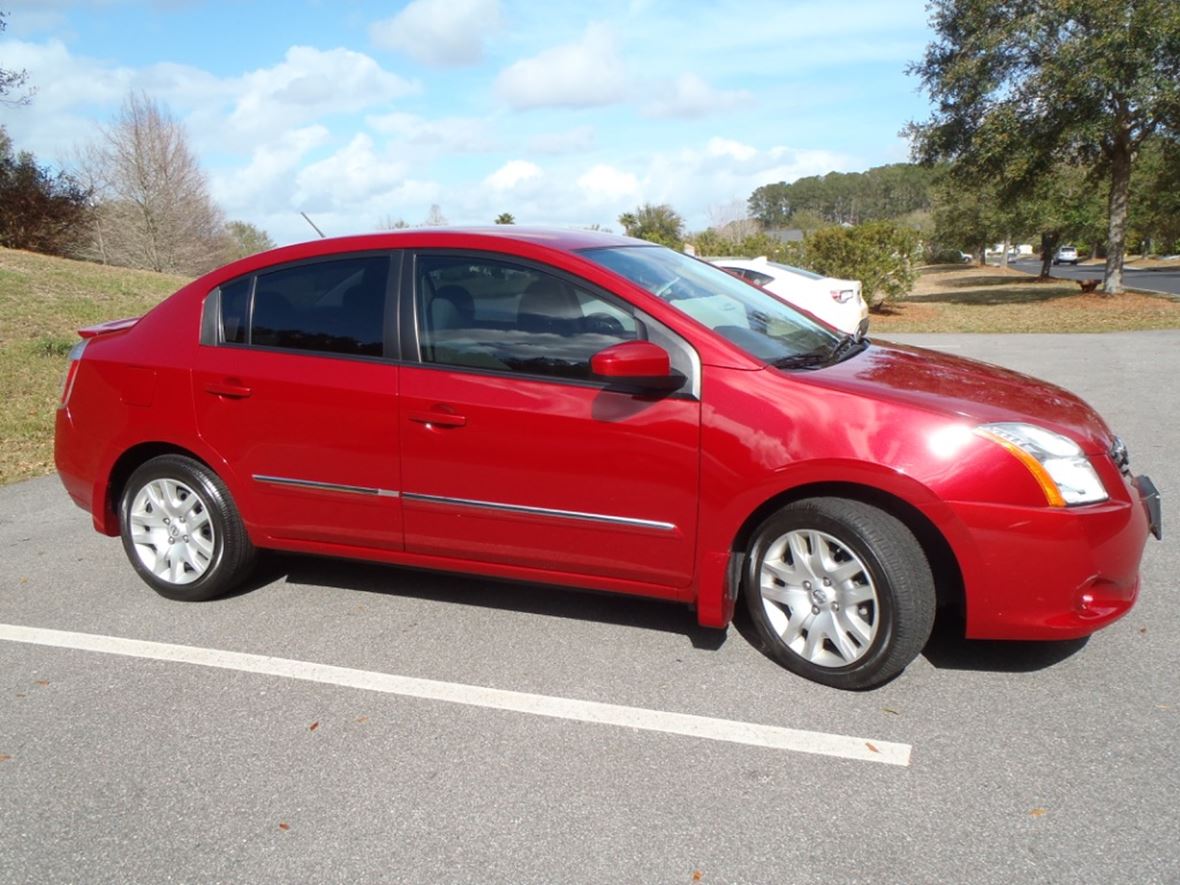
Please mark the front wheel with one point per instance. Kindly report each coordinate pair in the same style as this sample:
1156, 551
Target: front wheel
839, 591
181, 530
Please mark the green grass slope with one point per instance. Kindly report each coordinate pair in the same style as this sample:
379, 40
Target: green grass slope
43, 301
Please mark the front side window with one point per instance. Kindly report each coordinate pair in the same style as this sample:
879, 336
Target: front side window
756, 321
334, 306
478, 312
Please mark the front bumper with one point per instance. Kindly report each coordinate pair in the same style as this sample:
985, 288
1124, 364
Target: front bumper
1054, 573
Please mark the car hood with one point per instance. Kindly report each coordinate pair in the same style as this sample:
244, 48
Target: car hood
979, 392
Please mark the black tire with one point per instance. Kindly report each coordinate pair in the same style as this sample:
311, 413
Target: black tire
227, 558
888, 631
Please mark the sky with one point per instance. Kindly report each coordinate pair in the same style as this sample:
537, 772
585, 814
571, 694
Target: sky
566, 113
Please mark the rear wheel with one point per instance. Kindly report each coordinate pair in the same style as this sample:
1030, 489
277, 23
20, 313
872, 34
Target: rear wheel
181, 530
839, 592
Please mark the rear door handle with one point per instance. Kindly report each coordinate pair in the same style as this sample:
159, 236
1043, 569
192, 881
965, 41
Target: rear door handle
227, 389
439, 419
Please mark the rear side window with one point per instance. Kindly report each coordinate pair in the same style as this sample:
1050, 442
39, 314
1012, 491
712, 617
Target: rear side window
324, 306
235, 311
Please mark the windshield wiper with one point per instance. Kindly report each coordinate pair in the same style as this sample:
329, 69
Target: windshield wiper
809, 359
846, 346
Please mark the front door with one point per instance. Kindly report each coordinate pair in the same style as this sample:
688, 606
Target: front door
512, 453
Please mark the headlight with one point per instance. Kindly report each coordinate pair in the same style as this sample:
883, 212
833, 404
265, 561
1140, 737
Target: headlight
1057, 463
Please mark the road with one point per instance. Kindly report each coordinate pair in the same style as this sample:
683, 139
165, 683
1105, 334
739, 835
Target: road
1026, 762
1163, 280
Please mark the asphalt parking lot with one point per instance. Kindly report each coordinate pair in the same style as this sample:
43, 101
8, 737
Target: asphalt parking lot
1012, 762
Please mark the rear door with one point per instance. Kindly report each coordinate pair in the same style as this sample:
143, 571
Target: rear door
296, 387
512, 453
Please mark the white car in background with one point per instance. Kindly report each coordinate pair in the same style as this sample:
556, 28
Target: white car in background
837, 302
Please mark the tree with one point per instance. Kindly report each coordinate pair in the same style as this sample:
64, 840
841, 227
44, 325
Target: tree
246, 239
435, 217
11, 79
881, 254
154, 207
1020, 85
40, 210
844, 197
505, 218
388, 222
1155, 197
657, 224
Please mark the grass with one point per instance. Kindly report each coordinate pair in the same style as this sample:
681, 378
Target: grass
959, 298
43, 301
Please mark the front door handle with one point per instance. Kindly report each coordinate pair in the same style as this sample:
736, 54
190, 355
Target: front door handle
228, 389
439, 419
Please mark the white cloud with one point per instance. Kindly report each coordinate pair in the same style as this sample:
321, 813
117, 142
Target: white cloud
264, 184
585, 73
352, 175
512, 173
452, 135
725, 147
605, 184
571, 141
312, 83
691, 97
446, 33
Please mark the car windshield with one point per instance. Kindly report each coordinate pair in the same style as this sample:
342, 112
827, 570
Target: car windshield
755, 321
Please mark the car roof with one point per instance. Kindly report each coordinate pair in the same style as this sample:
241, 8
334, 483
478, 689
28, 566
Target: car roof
567, 240
564, 239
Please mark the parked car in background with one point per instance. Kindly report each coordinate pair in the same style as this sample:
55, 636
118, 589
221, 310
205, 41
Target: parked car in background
587, 410
837, 302
1066, 255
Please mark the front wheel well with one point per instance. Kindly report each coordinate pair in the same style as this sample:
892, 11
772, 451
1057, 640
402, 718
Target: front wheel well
127, 464
948, 577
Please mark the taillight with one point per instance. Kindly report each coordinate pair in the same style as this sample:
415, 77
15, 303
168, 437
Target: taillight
75, 358
842, 296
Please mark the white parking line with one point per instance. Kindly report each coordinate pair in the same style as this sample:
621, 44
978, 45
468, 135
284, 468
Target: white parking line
732, 731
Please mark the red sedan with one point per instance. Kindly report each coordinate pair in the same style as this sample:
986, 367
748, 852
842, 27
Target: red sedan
588, 410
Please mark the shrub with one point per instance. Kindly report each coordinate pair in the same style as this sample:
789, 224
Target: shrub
881, 254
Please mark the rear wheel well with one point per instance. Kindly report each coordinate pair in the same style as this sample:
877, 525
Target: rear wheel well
948, 577
126, 465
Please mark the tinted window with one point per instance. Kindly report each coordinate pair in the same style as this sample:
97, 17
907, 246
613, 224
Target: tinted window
235, 305
326, 306
489, 314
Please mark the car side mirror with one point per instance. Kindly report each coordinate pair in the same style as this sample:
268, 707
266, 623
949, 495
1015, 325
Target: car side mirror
636, 365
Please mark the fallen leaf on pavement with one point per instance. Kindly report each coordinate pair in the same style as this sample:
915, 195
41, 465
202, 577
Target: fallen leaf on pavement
696, 875
872, 749
889, 710
283, 825
1038, 812
4, 758
313, 726
362, 718
40, 682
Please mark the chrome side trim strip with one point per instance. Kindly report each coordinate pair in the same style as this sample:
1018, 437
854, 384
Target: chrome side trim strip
544, 511
325, 486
